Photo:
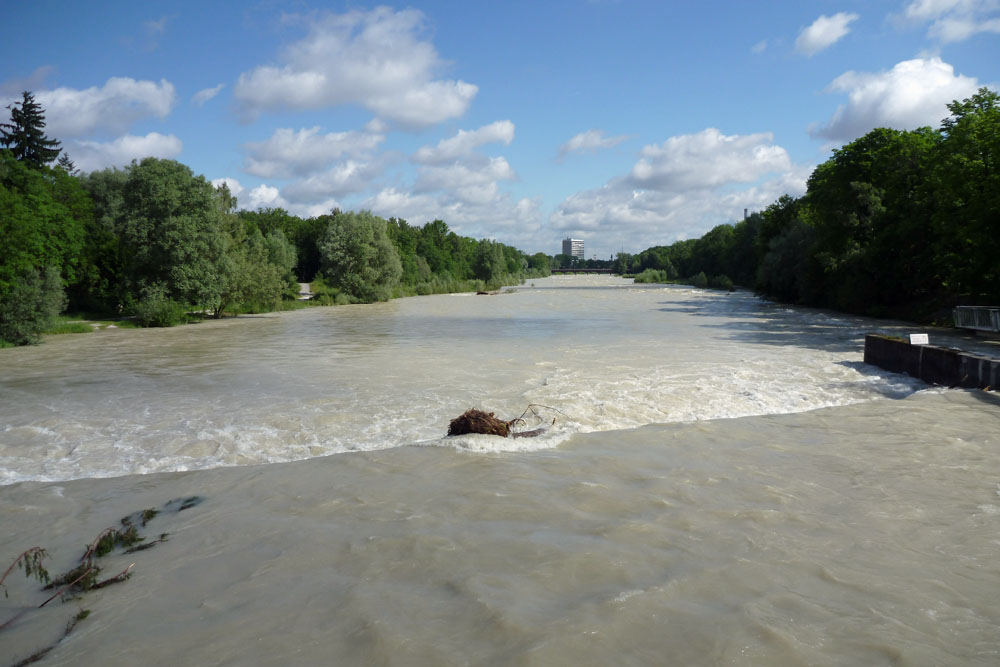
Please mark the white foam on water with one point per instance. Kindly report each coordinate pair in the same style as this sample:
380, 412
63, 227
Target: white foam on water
394, 375
584, 399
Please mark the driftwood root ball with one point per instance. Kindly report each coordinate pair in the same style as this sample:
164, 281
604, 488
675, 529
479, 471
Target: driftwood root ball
477, 421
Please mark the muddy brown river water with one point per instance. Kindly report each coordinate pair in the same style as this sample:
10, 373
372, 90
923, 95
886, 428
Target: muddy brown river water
726, 483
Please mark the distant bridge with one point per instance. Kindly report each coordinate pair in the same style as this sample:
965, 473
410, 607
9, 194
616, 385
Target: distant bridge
555, 271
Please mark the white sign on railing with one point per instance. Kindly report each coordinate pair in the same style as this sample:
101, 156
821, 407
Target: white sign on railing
919, 339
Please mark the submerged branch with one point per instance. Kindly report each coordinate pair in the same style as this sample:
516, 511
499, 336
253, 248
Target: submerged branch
121, 576
38, 655
30, 561
87, 571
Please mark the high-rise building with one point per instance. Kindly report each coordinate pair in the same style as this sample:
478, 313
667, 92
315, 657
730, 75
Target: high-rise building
573, 247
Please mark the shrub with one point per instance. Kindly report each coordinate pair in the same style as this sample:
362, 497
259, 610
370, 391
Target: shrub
652, 276
721, 282
698, 280
29, 306
156, 310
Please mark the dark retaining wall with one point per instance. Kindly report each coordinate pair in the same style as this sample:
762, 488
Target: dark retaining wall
932, 364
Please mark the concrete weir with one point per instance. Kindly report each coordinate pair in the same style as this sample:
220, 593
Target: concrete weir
932, 364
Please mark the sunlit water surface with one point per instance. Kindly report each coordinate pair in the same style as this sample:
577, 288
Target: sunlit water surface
725, 483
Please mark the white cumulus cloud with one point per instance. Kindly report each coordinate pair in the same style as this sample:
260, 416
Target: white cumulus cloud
465, 142
708, 159
682, 188
206, 94
954, 20
516, 222
93, 155
295, 153
914, 93
268, 196
824, 33
377, 59
348, 177
114, 107
464, 175
589, 141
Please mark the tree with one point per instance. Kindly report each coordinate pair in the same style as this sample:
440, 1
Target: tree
741, 262
171, 233
358, 257
67, 165
404, 237
23, 135
246, 274
433, 247
29, 305
104, 287
781, 273
711, 251
42, 222
539, 263
304, 235
489, 264
967, 183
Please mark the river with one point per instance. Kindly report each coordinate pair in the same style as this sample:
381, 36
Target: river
722, 481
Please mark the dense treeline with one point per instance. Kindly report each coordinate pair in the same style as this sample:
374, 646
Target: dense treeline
562, 261
358, 256
160, 244
901, 223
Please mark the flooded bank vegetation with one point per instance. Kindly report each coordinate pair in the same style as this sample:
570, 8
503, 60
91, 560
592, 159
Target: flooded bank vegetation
85, 576
896, 223
158, 245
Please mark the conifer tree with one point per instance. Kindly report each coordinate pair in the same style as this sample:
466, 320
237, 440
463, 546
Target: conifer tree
24, 135
67, 165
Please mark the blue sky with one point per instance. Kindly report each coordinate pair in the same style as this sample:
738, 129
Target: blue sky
625, 123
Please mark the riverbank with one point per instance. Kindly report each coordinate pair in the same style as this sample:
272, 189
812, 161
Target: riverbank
78, 323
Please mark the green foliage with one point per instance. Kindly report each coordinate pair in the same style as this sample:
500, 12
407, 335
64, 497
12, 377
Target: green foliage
358, 257
171, 233
722, 282
63, 325
30, 561
741, 259
302, 235
968, 193
43, 214
155, 241
538, 265
901, 223
710, 253
652, 276
155, 309
698, 280
104, 286
490, 264
246, 273
24, 134
783, 266
29, 305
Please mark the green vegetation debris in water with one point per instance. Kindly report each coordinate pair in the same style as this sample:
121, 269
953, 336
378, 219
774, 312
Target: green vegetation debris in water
83, 578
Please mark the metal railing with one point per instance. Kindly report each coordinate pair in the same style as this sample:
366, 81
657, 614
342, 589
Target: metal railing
980, 318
